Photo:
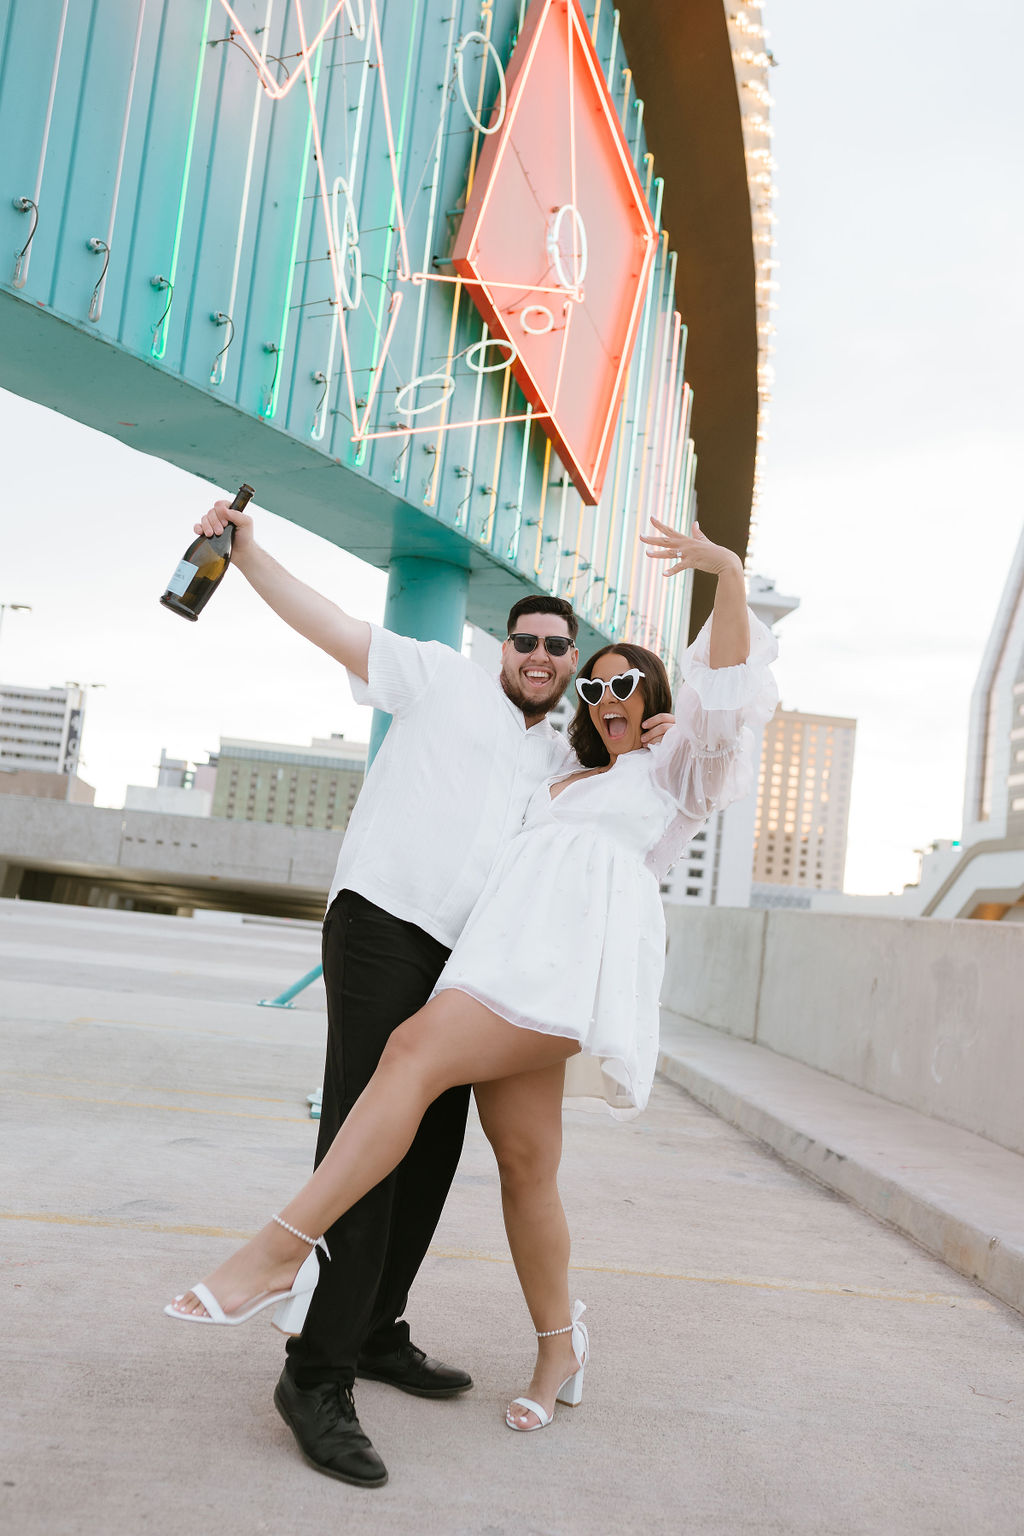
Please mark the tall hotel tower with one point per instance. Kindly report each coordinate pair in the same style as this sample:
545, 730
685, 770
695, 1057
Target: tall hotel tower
982, 876
803, 801
994, 797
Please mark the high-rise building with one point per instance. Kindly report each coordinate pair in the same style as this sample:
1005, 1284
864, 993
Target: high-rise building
314, 786
994, 794
41, 728
803, 801
982, 875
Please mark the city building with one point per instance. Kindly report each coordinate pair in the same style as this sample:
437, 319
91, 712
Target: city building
168, 799
803, 803
994, 793
40, 741
982, 874
178, 773
314, 786
182, 788
41, 728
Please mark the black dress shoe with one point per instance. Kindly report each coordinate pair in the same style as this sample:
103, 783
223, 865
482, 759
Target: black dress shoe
323, 1421
410, 1370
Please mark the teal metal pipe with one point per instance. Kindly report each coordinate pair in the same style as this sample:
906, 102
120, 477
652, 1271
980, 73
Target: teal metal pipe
285, 999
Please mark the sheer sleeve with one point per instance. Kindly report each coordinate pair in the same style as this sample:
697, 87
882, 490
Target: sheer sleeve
707, 760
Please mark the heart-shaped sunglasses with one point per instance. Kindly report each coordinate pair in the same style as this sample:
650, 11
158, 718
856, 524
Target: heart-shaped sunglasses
591, 689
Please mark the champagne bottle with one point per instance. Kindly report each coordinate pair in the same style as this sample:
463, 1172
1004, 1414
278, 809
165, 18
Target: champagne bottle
202, 567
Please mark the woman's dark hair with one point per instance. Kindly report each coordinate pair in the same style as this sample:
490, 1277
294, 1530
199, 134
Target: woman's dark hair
540, 604
584, 737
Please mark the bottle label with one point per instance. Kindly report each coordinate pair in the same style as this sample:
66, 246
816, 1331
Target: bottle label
182, 578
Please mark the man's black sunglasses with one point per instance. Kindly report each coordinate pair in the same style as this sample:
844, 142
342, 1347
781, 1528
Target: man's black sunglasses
555, 645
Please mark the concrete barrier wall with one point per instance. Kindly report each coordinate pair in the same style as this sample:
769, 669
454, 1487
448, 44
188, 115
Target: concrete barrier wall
202, 852
927, 1013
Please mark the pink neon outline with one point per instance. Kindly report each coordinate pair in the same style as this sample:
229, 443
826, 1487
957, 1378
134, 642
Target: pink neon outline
272, 87
450, 426
359, 430
570, 50
527, 288
568, 310
399, 211
305, 56
619, 138
326, 210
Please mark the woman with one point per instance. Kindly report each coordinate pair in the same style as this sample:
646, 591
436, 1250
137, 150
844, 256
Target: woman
563, 953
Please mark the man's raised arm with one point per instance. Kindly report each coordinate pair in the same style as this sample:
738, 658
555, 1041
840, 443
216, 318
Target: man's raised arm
312, 615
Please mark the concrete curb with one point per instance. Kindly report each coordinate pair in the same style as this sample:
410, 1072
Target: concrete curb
961, 1197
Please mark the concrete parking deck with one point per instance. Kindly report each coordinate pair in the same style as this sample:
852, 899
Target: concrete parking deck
767, 1357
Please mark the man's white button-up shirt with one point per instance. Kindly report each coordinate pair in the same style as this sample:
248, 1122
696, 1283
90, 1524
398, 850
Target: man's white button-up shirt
449, 785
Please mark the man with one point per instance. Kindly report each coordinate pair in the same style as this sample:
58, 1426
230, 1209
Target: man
452, 780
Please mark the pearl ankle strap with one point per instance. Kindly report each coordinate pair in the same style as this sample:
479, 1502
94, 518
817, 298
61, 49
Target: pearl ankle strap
312, 1241
550, 1332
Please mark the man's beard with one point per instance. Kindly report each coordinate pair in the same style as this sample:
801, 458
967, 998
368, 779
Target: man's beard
533, 703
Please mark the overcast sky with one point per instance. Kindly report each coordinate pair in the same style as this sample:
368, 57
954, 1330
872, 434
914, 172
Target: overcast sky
892, 502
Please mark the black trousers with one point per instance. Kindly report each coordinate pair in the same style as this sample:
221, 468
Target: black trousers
378, 970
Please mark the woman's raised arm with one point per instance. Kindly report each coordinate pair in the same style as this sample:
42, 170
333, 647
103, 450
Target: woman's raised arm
730, 628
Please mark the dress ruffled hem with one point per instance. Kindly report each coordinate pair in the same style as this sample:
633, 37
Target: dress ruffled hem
627, 1102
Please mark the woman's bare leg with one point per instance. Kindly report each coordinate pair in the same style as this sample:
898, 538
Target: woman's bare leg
522, 1119
453, 1039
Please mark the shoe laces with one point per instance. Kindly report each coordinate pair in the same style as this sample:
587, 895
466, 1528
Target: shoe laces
338, 1405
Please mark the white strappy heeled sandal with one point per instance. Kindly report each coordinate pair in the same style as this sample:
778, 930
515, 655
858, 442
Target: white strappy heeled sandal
571, 1390
292, 1305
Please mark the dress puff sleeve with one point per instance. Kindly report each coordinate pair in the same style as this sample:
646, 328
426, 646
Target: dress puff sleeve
707, 760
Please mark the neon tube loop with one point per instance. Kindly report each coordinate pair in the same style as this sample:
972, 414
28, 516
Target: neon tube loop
444, 380
537, 330
477, 350
346, 244
554, 249
460, 75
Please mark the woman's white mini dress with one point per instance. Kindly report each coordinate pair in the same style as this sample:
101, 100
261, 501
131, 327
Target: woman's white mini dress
568, 936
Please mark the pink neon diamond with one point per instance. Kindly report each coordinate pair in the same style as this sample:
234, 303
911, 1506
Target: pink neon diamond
557, 240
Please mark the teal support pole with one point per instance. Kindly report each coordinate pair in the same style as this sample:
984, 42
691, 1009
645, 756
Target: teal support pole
427, 601
285, 998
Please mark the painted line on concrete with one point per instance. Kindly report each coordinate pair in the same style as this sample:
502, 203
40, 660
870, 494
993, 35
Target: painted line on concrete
464, 1255
184, 1032
101, 1082
169, 1109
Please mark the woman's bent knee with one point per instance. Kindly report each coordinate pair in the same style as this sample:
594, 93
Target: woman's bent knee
408, 1053
526, 1169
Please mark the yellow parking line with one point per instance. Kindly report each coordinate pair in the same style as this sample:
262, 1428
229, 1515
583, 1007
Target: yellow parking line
810, 1287
753, 1282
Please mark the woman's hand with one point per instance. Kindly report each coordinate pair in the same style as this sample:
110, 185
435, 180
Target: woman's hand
691, 552
217, 519
655, 728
